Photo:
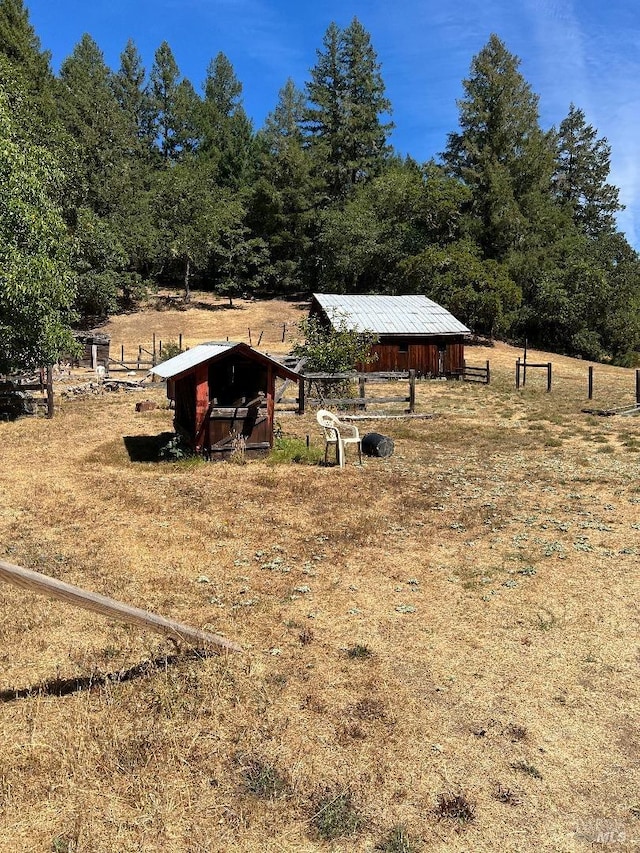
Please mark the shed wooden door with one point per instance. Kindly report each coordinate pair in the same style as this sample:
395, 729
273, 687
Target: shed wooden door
423, 358
185, 397
453, 359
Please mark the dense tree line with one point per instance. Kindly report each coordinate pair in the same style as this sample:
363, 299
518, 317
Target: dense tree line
115, 181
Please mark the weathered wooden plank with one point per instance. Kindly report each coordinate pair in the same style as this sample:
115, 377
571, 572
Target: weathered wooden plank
354, 401
330, 377
24, 386
235, 412
385, 376
287, 382
226, 447
53, 588
381, 416
344, 401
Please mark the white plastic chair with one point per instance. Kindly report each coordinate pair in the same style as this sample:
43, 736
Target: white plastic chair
334, 429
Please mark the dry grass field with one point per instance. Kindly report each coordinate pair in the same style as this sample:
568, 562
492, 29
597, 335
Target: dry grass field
440, 648
207, 318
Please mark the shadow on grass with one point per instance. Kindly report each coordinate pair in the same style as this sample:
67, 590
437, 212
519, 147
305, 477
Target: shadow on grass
177, 303
146, 448
67, 686
207, 306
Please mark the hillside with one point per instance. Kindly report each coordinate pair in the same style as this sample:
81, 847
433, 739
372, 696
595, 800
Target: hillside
458, 620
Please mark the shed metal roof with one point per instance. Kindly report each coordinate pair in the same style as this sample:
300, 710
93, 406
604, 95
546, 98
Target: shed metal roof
391, 315
201, 353
188, 359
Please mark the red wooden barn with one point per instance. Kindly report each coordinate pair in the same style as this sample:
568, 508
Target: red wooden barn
224, 397
413, 331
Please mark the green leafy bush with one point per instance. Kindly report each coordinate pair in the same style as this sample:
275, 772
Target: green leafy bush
333, 348
169, 350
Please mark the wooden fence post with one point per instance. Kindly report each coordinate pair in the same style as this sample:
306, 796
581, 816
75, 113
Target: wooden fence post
301, 395
488, 373
249, 330
361, 384
180, 340
549, 369
637, 387
412, 390
153, 363
50, 403
591, 382
284, 331
518, 372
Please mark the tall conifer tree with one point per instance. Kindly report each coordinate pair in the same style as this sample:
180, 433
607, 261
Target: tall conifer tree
346, 103
281, 205
130, 87
175, 105
583, 163
21, 47
94, 120
502, 154
226, 132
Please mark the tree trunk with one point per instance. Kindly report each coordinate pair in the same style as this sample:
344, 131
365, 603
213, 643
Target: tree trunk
187, 273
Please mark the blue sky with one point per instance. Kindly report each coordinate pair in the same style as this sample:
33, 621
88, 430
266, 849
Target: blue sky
581, 51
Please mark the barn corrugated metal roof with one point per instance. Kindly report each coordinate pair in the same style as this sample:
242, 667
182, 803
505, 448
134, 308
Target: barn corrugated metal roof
189, 358
391, 315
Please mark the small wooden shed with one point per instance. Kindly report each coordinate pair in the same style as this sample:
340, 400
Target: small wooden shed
224, 396
95, 349
414, 332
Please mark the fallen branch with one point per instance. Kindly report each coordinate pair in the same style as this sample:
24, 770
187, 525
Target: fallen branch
621, 410
54, 588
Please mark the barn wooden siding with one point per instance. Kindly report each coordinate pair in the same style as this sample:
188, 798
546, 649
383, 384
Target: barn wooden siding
429, 357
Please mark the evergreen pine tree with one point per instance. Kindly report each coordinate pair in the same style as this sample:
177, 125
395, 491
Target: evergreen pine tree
21, 47
365, 135
175, 107
106, 199
580, 180
502, 155
281, 203
346, 102
94, 120
225, 130
132, 93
